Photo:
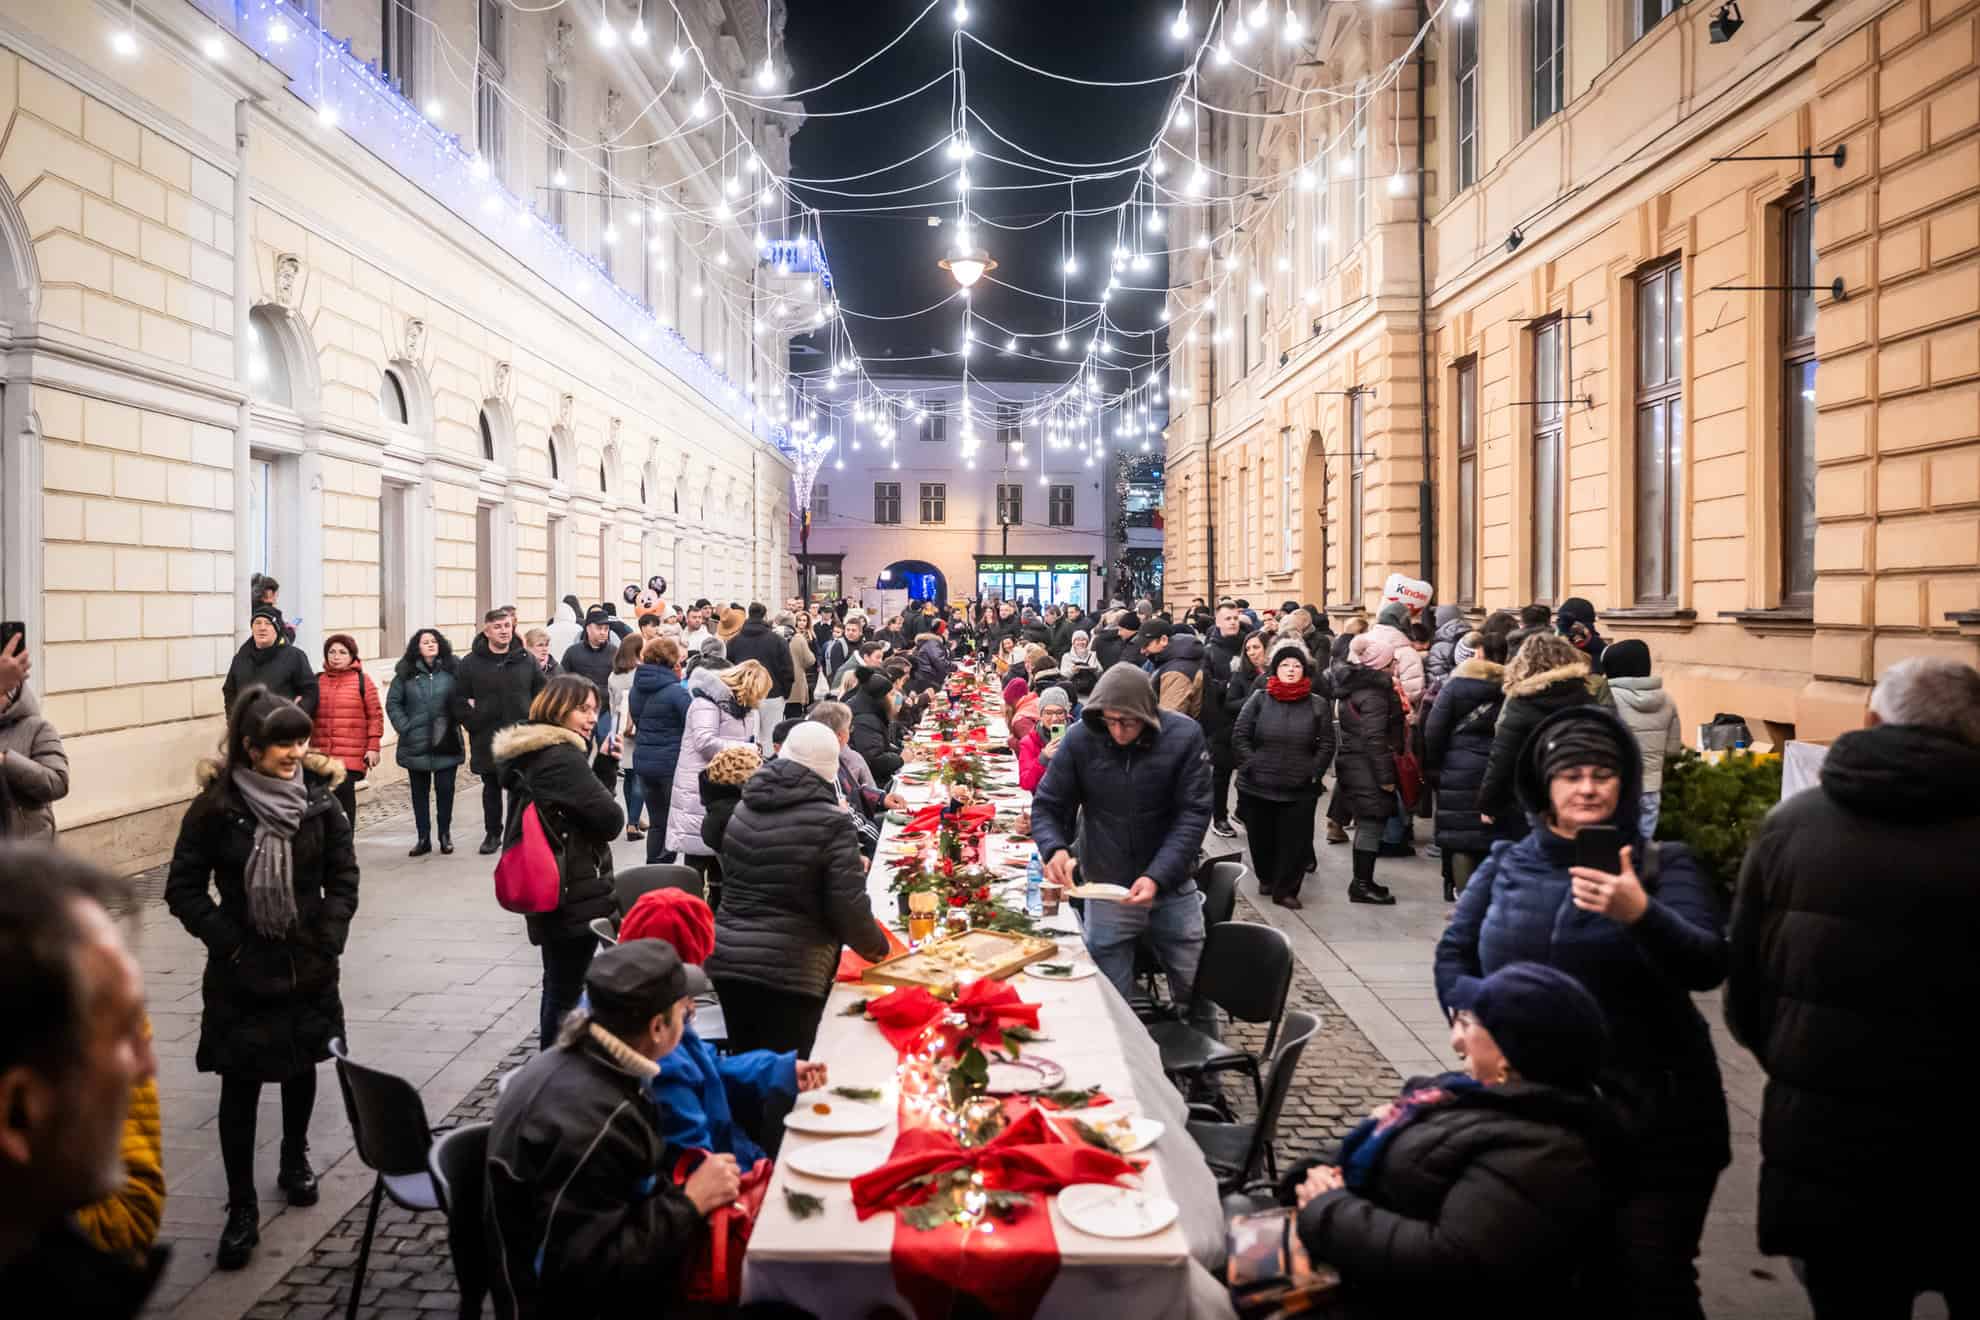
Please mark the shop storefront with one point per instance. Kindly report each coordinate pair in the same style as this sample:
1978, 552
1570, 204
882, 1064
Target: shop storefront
1045, 581
822, 577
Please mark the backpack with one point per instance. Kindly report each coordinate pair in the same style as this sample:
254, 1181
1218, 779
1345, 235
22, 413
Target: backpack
529, 875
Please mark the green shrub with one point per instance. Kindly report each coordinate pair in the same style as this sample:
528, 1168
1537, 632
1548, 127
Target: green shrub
1713, 807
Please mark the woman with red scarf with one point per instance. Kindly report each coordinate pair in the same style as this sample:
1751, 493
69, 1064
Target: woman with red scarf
1284, 741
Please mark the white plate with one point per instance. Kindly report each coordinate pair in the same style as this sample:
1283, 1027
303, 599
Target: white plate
1099, 893
840, 1161
1140, 1135
1024, 1074
842, 1118
1080, 971
1115, 1212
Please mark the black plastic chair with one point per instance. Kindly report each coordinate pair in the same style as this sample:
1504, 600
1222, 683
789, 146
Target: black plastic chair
1246, 971
628, 885
458, 1162
607, 933
392, 1136
1238, 1153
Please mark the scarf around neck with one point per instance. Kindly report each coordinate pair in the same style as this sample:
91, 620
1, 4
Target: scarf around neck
1298, 690
277, 805
1362, 1149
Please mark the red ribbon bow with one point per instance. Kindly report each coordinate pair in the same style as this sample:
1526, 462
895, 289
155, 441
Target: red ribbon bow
1027, 1156
987, 1007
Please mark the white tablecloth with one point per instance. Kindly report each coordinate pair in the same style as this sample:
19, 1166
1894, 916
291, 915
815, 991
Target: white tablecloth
834, 1265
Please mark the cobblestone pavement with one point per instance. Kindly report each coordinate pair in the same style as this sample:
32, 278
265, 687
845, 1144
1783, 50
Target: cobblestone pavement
410, 1272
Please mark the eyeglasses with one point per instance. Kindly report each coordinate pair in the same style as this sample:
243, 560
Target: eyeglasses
1120, 722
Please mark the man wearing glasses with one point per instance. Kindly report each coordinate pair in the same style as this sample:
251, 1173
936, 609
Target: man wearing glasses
1141, 778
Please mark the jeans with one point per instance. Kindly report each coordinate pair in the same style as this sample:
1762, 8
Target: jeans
659, 793
240, 1099
492, 819
768, 716
441, 782
1174, 924
635, 797
565, 961
346, 794
1651, 806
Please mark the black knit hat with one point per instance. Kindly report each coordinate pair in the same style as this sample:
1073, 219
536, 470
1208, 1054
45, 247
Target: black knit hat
1545, 1022
1629, 658
268, 612
1577, 743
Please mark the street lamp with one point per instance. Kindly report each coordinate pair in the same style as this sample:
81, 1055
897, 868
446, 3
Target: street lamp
968, 267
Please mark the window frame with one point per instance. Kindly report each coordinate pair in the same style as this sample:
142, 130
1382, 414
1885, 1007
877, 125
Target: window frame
1465, 428
1797, 356
1357, 511
937, 430
821, 502
1549, 428
1545, 72
886, 504
1464, 97
389, 379
398, 46
1659, 404
1061, 501
556, 149
1288, 520
1358, 181
1010, 504
1641, 23
934, 500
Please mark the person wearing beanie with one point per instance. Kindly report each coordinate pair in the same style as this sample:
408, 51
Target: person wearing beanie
1373, 730
269, 660
1283, 738
710, 1101
591, 657
710, 652
1457, 744
1507, 1171
1643, 705
1576, 621
1642, 938
1548, 674
1118, 643
794, 893
1042, 740
1133, 783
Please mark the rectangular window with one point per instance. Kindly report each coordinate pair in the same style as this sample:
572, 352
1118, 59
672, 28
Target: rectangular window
1659, 429
1467, 485
1548, 422
489, 135
937, 430
1648, 13
1010, 504
1465, 42
1288, 518
887, 503
821, 503
398, 28
1356, 220
1357, 493
1323, 216
555, 108
1798, 407
1061, 506
1007, 423
1546, 31
607, 222
934, 502
490, 29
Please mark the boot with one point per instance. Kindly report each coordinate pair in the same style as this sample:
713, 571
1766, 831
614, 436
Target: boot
1222, 829
1335, 834
446, 843
1363, 889
1450, 883
297, 1178
421, 848
239, 1237
490, 844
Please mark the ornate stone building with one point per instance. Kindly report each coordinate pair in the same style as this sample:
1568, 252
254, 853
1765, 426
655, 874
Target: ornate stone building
448, 306
1597, 299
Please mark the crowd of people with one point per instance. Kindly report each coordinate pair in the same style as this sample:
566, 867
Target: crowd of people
1571, 1160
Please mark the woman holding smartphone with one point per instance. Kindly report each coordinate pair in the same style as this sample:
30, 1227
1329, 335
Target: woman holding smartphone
1642, 929
1041, 741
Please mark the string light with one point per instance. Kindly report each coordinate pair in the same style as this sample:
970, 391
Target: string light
214, 46
124, 42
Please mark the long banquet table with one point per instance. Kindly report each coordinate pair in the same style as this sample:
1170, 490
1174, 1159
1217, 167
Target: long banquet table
834, 1265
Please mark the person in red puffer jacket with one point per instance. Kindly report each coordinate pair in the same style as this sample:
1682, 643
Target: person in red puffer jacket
349, 720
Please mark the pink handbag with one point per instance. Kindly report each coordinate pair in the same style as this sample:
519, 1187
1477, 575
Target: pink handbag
527, 877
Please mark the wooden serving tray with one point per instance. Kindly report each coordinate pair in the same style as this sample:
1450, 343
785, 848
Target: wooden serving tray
992, 953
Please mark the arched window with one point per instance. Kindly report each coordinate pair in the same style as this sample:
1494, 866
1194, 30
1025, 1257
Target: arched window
604, 488
642, 490
554, 474
487, 438
269, 379
392, 398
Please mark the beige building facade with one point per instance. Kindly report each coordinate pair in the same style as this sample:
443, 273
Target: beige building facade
245, 333
1689, 328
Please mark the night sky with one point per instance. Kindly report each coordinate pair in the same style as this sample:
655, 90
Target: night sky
885, 263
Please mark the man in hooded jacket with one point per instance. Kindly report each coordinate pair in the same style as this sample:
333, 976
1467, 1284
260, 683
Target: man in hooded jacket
1441, 658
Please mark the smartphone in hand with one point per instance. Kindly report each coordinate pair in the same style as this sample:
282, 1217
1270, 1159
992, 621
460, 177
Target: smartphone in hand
1599, 848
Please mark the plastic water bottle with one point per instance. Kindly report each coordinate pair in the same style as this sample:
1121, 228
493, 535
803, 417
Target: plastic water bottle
1034, 876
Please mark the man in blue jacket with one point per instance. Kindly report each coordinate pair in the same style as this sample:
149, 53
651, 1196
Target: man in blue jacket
1142, 777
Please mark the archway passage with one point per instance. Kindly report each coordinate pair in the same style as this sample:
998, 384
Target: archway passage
919, 578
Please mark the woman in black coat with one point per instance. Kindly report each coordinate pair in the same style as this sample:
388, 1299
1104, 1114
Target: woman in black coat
875, 735
1284, 740
547, 761
1498, 1182
794, 891
1457, 742
1372, 729
267, 836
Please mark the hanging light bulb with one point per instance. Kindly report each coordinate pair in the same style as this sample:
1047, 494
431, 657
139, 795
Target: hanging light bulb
124, 42
278, 30
1203, 241
676, 58
1072, 265
1064, 343
1397, 184
478, 167
699, 110
1010, 345
722, 211
611, 234
1291, 32
961, 12
766, 77
1182, 117
1461, 10
608, 36
1304, 178
1258, 15
636, 34
326, 114
1154, 222
1222, 55
732, 185
1345, 165
1198, 181
1179, 29
435, 109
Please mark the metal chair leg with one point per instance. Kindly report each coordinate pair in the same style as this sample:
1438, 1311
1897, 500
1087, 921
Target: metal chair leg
364, 1245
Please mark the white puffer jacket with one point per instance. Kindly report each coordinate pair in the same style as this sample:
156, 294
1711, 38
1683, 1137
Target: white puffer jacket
1652, 716
713, 725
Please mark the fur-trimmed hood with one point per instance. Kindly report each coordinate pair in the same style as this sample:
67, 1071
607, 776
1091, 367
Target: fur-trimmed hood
521, 739
1534, 684
1479, 667
328, 769
708, 683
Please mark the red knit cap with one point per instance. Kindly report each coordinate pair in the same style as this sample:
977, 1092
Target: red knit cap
676, 916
